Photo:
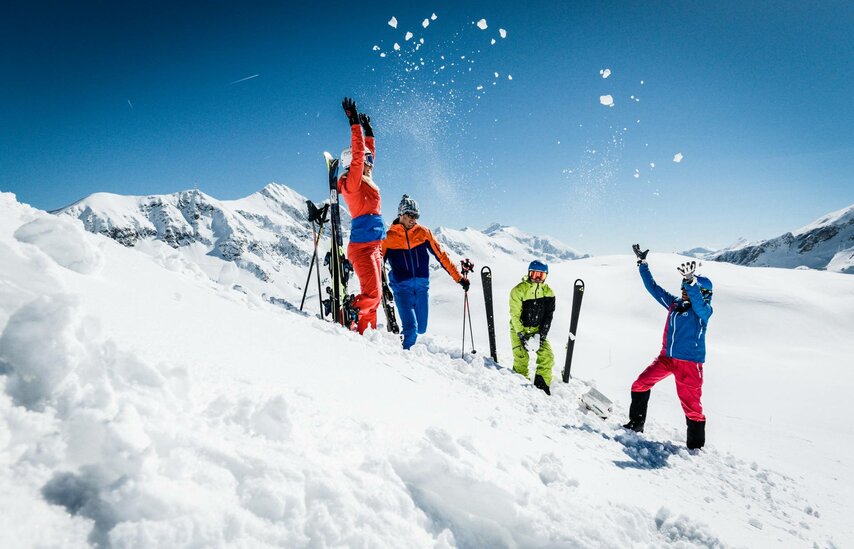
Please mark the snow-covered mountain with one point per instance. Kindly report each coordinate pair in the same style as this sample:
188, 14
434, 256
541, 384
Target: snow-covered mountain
262, 233
826, 243
265, 235
500, 241
698, 252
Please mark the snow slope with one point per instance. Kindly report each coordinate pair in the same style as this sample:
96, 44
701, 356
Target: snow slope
826, 243
145, 405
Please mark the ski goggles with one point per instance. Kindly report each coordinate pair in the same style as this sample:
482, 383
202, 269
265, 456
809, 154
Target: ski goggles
369, 158
537, 276
413, 215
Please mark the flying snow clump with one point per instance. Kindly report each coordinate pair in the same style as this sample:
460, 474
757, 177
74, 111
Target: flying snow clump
502, 33
605, 73
392, 22
481, 24
408, 36
677, 157
425, 23
606, 100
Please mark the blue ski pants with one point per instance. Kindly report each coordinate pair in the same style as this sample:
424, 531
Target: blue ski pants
412, 297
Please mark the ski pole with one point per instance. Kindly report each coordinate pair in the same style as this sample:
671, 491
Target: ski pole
312, 209
317, 216
466, 267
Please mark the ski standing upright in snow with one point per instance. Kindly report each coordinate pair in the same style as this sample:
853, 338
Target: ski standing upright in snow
593, 400
486, 281
339, 304
577, 296
388, 304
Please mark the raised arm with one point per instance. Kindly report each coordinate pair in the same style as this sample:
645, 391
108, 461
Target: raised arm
703, 309
353, 178
661, 295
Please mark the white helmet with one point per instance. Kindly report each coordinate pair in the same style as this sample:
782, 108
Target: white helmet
346, 158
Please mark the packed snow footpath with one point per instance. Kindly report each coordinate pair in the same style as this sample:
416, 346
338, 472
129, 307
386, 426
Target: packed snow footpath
144, 405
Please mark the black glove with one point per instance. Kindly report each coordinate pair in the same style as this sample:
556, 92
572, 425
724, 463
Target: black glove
687, 271
523, 339
366, 124
350, 110
641, 255
465, 283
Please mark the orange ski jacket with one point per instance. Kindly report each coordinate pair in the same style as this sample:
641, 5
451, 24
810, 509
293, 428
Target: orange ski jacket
360, 193
407, 253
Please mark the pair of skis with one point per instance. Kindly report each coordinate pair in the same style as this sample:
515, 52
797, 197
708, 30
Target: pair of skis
595, 401
340, 304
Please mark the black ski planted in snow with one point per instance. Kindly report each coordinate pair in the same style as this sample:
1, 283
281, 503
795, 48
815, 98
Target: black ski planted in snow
486, 282
577, 295
339, 303
593, 400
388, 305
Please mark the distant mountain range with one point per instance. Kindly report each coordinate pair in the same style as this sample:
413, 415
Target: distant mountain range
266, 235
500, 240
827, 244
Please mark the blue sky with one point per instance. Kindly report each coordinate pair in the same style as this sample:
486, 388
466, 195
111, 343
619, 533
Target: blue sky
145, 99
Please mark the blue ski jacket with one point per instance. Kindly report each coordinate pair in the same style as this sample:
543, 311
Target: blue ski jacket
685, 329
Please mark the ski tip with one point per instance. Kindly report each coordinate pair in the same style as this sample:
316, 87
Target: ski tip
328, 156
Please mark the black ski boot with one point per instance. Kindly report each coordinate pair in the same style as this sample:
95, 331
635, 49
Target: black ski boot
540, 383
696, 434
637, 411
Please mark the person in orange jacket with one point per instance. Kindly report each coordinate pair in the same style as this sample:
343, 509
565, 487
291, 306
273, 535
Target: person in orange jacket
406, 247
362, 196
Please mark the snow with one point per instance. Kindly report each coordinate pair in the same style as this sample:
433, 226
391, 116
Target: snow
839, 217
605, 73
425, 23
396, 46
482, 24
408, 36
392, 22
144, 404
606, 100
677, 157
502, 33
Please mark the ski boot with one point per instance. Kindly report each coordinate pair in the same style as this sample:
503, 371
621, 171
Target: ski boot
540, 384
696, 434
637, 411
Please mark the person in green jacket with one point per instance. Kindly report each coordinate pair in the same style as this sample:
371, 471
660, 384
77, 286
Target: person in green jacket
532, 307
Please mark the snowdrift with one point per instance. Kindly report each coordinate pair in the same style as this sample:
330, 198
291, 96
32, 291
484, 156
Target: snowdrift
145, 404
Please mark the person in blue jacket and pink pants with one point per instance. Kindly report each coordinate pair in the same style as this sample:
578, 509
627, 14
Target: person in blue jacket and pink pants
683, 349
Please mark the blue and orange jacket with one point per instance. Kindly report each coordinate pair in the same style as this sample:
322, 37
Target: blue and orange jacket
407, 252
360, 193
685, 329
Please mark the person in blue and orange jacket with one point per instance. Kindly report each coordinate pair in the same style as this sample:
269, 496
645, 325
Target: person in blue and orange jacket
683, 348
362, 196
406, 247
